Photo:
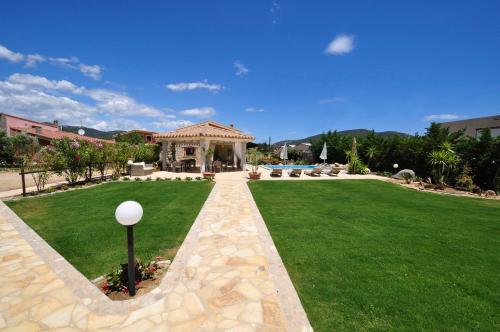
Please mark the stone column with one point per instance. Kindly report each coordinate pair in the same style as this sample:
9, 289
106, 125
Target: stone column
243, 156
164, 151
235, 155
204, 145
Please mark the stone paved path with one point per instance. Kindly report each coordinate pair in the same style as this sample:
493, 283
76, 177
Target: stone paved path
227, 276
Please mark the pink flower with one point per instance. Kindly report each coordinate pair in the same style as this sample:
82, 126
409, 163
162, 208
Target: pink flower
75, 144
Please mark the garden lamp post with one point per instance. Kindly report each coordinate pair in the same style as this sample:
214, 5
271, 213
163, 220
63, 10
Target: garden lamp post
128, 214
395, 166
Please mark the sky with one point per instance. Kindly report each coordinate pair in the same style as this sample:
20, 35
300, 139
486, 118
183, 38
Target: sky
279, 69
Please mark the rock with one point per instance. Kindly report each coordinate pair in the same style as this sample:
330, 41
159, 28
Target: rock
477, 190
400, 175
490, 193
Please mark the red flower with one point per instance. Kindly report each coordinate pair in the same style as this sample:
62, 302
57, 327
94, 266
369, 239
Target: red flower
158, 258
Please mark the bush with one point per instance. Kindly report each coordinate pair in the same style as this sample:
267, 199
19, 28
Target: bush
178, 179
199, 178
408, 177
126, 179
158, 179
496, 181
188, 178
137, 179
148, 178
356, 166
117, 281
464, 180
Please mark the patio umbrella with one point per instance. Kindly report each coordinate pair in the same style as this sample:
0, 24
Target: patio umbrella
284, 153
323, 154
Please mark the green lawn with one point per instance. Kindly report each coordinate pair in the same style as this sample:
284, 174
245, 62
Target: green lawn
81, 225
367, 255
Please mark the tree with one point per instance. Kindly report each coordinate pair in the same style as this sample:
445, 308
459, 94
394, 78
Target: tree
66, 159
23, 147
443, 160
131, 138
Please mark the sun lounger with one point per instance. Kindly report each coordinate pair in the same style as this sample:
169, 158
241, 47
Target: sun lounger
295, 173
334, 171
277, 172
314, 172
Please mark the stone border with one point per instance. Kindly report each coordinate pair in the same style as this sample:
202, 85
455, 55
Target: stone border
83, 288
295, 315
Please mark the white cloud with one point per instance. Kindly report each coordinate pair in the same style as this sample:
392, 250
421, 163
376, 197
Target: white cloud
32, 60
447, 117
201, 112
254, 110
9, 55
39, 98
172, 124
241, 69
93, 71
274, 10
340, 45
331, 100
65, 62
183, 86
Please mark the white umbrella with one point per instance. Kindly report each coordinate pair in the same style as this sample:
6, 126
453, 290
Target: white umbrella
284, 153
323, 154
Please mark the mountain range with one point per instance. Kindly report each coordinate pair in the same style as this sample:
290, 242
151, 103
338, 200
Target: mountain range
351, 132
91, 132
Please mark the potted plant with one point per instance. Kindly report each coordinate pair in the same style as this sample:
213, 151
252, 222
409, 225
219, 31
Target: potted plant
208, 173
254, 156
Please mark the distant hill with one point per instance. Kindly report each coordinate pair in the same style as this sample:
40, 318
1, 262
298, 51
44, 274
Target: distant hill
351, 132
91, 132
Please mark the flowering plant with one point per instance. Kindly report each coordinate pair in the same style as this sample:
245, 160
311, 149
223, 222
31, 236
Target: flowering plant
117, 281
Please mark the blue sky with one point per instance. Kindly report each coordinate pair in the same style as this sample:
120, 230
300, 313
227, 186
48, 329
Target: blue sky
285, 69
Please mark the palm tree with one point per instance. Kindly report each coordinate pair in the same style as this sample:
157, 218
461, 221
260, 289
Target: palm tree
370, 153
443, 159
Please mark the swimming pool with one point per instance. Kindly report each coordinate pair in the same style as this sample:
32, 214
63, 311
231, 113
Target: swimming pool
289, 166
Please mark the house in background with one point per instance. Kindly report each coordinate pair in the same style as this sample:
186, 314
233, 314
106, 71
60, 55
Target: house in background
147, 135
45, 132
473, 127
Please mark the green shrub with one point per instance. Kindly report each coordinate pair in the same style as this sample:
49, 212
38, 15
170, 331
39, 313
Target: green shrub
407, 176
199, 178
137, 179
496, 181
178, 178
158, 179
148, 178
126, 179
356, 166
117, 281
464, 180
188, 178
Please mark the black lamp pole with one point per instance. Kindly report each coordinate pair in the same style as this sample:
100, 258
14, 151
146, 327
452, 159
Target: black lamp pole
131, 260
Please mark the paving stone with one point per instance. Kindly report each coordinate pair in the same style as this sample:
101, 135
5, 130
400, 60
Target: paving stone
223, 283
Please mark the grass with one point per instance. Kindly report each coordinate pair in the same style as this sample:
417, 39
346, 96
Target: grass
367, 255
81, 225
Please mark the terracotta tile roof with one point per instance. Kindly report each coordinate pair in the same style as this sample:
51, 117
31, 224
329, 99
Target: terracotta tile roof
50, 134
206, 129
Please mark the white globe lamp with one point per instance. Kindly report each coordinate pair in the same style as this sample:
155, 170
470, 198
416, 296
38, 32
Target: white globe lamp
128, 214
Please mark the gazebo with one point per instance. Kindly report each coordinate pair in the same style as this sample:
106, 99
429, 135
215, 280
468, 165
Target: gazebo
204, 143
